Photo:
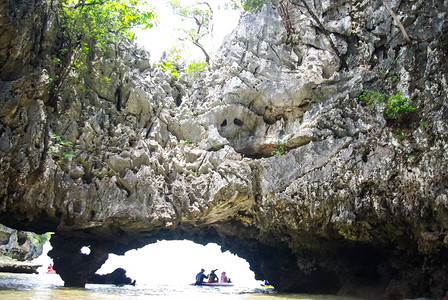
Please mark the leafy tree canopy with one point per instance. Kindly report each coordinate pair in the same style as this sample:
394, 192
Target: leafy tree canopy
105, 21
87, 24
247, 5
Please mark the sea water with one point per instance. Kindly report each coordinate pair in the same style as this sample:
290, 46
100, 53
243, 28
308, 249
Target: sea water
50, 286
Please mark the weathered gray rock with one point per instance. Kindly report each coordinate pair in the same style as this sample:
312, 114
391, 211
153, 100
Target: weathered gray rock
19, 246
357, 203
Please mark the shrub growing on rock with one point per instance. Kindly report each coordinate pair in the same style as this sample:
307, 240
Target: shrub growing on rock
397, 106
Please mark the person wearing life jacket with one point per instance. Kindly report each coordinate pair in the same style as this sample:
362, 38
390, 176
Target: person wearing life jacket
200, 277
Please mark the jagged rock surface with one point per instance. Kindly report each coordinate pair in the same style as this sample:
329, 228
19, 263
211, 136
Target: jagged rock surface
18, 245
17, 250
357, 204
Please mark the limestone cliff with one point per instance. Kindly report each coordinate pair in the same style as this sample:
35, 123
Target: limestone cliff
355, 204
18, 248
19, 245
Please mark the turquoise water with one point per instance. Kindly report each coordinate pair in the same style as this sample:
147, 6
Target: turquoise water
50, 286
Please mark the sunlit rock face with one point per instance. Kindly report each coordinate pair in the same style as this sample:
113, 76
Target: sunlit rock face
355, 204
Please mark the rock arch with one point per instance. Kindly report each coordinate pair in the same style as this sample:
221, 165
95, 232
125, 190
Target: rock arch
346, 207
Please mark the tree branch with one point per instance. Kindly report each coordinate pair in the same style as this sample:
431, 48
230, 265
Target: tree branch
211, 17
207, 57
394, 16
82, 4
325, 31
286, 19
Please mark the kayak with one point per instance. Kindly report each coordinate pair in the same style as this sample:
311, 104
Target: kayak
216, 283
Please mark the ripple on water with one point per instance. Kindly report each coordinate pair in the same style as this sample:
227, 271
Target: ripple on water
50, 286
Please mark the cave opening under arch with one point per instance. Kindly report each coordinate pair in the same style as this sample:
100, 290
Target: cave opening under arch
177, 262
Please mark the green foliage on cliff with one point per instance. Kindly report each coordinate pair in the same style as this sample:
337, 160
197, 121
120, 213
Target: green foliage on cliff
359, 231
251, 5
104, 21
186, 142
175, 55
371, 97
176, 63
247, 5
39, 239
396, 105
89, 24
280, 144
60, 147
168, 66
195, 68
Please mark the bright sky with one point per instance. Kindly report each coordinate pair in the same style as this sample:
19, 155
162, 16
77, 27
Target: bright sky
166, 34
168, 262
179, 261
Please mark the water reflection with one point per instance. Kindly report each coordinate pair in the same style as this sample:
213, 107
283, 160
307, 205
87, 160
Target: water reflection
50, 286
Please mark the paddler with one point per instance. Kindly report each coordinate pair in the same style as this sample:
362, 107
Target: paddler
212, 277
200, 277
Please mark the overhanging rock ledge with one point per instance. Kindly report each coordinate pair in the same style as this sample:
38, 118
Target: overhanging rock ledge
355, 205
